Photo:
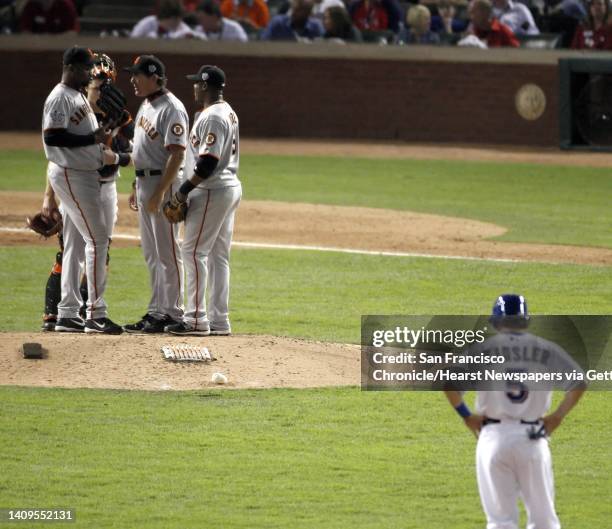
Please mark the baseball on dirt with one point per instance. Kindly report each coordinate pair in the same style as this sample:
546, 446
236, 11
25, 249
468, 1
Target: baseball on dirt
219, 378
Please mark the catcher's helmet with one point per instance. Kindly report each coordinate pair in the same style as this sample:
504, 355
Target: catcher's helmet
511, 310
104, 67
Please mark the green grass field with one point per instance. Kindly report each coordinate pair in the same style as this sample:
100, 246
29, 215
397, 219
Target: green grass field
328, 458
537, 203
333, 458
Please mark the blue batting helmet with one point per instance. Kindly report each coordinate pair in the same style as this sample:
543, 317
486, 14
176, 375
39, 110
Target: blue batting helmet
511, 309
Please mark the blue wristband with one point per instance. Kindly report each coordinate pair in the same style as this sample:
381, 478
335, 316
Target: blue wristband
463, 410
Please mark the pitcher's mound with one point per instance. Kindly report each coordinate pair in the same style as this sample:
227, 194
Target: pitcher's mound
136, 362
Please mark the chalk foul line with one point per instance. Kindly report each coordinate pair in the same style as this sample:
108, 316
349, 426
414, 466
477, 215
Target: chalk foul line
354, 251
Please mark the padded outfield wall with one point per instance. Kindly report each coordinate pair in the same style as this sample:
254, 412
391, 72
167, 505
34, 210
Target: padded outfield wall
415, 94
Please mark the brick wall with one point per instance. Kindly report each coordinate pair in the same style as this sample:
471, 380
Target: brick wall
404, 99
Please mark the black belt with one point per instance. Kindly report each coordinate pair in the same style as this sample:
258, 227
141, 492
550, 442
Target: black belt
148, 172
105, 181
488, 420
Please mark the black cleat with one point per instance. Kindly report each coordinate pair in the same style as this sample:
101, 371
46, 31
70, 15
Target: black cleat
220, 332
184, 329
49, 321
102, 326
69, 325
139, 326
158, 326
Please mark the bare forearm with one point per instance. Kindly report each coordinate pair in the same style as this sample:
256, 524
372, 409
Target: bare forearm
552, 421
569, 401
173, 165
471, 420
454, 397
49, 193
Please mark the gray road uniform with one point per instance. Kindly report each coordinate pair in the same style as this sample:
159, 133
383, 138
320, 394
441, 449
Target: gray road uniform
73, 260
210, 220
74, 249
73, 174
161, 121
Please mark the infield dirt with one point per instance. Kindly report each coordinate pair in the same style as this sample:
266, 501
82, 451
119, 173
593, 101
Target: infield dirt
135, 362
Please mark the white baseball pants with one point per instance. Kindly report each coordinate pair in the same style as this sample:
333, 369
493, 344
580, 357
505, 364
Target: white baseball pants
510, 465
161, 250
73, 258
206, 250
80, 194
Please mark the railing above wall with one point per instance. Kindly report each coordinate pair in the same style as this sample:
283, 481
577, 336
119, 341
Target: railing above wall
323, 50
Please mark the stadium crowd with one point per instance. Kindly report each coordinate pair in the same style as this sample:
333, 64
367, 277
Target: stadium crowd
578, 24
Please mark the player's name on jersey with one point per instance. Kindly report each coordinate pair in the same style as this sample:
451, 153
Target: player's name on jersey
80, 113
148, 127
429, 358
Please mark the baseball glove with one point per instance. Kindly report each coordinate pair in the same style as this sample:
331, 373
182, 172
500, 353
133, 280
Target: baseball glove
45, 226
175, 210
113, 103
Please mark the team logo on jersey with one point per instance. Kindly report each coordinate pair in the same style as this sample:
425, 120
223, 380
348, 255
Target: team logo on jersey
178, 129
57, 116
210, 139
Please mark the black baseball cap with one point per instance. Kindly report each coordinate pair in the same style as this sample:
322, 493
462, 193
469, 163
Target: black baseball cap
211, 74
148, 65
78, 55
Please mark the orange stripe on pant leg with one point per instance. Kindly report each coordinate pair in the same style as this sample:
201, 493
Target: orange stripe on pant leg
178, 273
195, 262
90, 234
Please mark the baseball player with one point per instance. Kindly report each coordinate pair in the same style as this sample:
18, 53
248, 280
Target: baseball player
103, 72
160, 138
512, 456
75, 147
214, 194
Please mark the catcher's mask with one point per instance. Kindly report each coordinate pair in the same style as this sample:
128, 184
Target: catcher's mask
510, 310
103, 68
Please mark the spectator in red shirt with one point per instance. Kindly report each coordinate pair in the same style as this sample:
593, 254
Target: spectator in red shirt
594, 33
487, 28
49, 16
376, 15
189, 6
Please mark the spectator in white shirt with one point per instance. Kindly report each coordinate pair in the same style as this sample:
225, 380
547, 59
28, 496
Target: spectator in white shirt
515, 15
217, 27
167, 24
320, 6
